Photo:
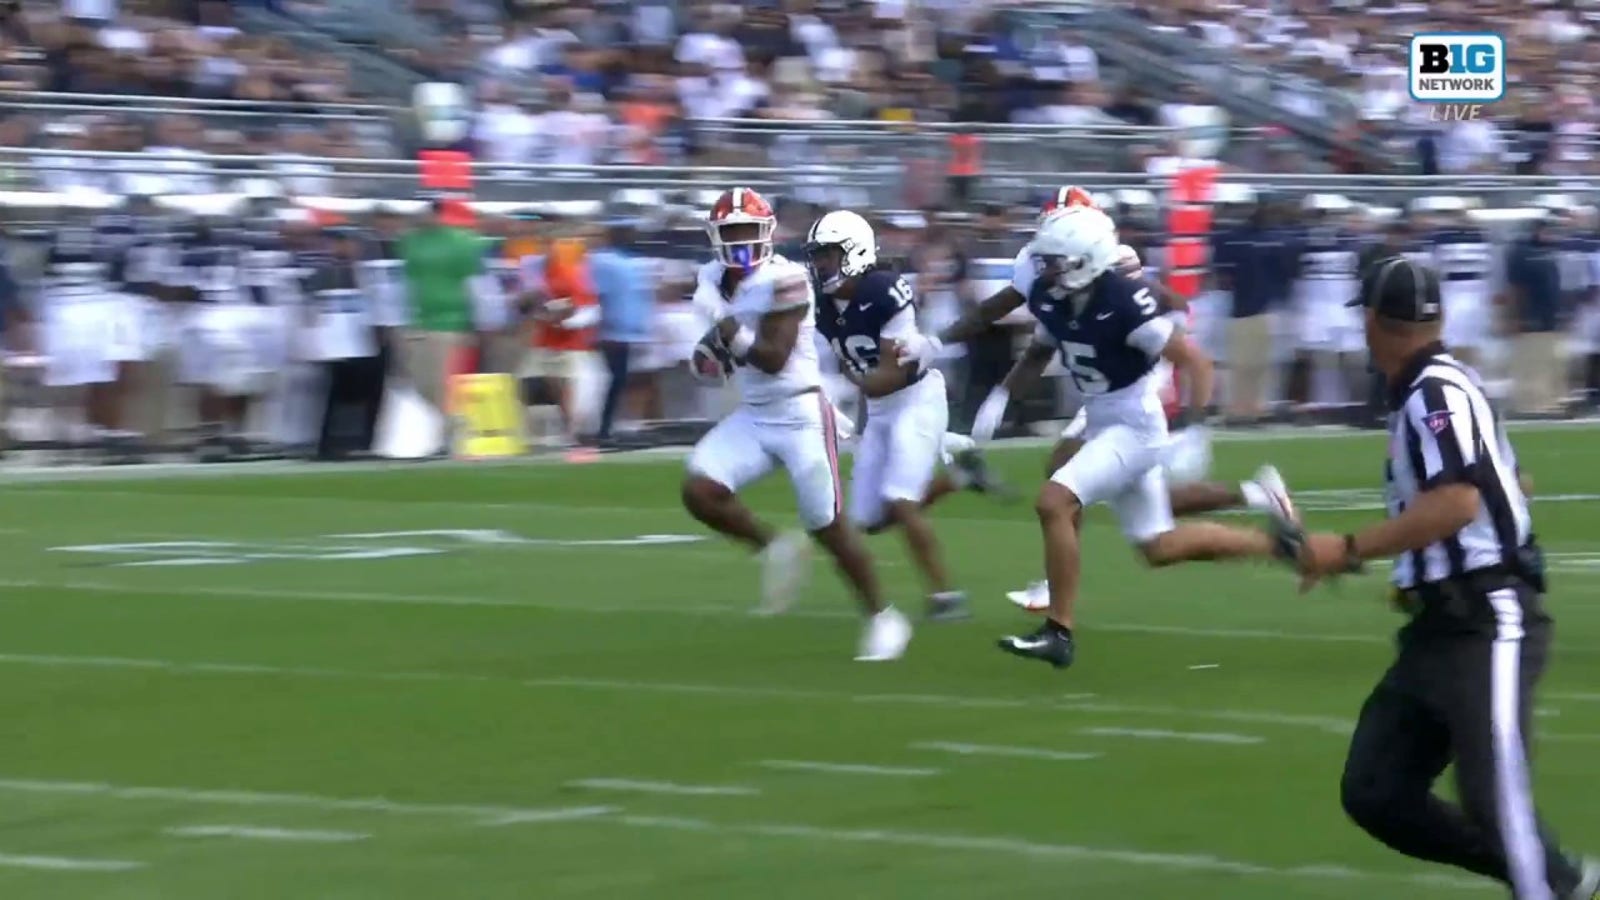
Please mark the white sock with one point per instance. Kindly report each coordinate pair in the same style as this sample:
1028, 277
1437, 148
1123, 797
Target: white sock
1255, 496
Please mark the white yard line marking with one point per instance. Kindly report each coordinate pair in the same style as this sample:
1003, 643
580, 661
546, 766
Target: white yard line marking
1580, 697
1003, 750
1039, 850
260, 833
664, 787
1571, 738
827, 768
1160, 734
66, 863
687, 609
22, 475
1201, 668
1048, 703
972, 843
489, 813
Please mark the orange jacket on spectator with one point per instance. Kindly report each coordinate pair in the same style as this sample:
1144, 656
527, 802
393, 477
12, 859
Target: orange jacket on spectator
566, 274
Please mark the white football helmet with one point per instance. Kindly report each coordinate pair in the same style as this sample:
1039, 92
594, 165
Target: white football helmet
858, 248
1074, 247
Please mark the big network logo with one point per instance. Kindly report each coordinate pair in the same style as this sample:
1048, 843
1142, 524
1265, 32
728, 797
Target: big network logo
1458, 67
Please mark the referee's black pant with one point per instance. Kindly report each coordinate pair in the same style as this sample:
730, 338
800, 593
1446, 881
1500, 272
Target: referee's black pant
1463, 698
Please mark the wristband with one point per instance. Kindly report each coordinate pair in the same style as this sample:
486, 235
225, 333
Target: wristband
743, 340
1352, 559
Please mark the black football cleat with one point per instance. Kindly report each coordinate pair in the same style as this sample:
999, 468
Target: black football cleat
950, 606
979, 478
1049, 643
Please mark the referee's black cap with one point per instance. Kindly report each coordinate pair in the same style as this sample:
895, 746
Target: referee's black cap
1398, 287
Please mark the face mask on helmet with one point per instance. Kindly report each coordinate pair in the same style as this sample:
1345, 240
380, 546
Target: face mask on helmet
743, 245
1064, 274
827, 266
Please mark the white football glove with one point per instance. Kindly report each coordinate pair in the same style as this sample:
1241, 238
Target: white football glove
920, 349
990, 414
1187, 458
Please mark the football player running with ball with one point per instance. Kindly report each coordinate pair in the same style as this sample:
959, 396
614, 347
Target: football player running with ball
764, 339
1111, 334
863, 309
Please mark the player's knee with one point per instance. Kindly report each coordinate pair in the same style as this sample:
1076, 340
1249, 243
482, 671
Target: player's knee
1160, 551
898, 513
1062, 453
1365, 800
701, 494
1056, 502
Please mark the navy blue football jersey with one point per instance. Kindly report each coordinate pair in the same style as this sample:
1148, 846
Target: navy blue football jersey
134, 250
854, 327
1462, 254
1094, 340
208, 259
73, 256
1328, 253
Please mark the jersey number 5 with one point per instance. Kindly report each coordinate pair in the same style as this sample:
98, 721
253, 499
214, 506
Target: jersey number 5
1146, 301
1079, 362
858, 351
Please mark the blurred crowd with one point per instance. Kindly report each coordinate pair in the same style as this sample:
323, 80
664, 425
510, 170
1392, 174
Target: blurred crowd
278, 327
184, 51
645, 82
1356, 51
168, 49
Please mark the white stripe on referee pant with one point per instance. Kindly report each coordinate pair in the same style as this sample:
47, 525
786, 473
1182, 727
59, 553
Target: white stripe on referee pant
1519, 830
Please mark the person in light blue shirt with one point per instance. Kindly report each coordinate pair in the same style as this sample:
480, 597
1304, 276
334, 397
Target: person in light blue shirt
624, 287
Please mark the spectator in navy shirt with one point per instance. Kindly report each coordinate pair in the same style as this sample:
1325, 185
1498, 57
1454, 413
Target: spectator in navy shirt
1242, 264
1538, 361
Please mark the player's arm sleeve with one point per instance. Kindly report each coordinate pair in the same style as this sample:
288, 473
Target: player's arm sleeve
790, 289
901, 326
1151, 331
1441, 434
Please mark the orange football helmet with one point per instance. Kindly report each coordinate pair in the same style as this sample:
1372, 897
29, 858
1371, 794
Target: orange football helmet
1065, 198
740, 226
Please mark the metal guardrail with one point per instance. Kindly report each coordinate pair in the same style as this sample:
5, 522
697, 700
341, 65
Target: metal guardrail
201, 103
398, 178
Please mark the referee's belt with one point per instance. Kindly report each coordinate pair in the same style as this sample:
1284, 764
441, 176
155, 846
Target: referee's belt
1458, 596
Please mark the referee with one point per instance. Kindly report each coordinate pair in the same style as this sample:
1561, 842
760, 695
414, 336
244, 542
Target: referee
1469, 575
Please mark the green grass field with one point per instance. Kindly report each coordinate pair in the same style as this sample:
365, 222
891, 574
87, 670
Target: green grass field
251, 704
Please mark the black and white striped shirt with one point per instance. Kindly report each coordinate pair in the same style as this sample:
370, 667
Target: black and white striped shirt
1442, 431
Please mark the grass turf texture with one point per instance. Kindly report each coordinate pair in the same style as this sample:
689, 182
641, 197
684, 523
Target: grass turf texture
475, 688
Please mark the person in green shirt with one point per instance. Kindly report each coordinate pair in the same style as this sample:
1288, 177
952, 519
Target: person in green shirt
440, 261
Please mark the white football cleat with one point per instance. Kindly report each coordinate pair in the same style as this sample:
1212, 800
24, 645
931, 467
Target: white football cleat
886, 637
785, 565
1279, 506
1033, 598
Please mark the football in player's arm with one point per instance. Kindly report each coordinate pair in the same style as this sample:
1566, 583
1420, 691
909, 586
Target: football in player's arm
768, 345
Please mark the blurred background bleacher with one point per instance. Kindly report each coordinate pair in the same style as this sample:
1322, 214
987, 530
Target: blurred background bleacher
947, 120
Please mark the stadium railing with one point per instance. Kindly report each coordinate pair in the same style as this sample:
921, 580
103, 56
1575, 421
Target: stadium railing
1503, 200
523, 183
380, 124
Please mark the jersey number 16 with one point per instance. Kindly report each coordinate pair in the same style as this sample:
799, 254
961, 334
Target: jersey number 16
857, 351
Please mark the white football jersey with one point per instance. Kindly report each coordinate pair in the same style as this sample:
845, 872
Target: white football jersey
754, 298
